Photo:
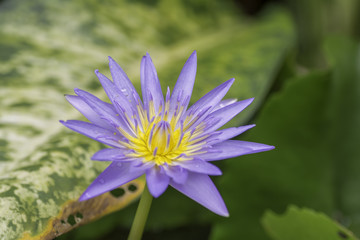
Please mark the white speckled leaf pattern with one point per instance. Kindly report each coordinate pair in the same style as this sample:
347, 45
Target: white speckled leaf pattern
47, 48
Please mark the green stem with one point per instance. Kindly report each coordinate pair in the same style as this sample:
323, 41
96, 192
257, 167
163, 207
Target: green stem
141, 215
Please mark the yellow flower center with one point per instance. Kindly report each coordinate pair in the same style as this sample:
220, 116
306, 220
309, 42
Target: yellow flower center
159, 139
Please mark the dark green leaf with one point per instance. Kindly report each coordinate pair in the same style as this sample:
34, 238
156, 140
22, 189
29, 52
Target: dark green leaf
297, 171
344, 56
303, 224
314, 123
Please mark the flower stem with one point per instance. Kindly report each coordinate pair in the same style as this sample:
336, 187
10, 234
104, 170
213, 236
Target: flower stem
141, 215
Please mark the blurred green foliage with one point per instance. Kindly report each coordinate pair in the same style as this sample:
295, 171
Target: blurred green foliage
304, 224
307, 91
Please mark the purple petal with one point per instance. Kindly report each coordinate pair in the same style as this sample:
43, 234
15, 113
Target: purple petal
104, 110
225, 114
200, 166
115, 175
111, 154
233, 148
224, 103
212, 98
150, 85
95, 132
185, 83
201, 189
138, 163
228, 133
87, 111
122, 81
204, 106
157, 181
176, 173
114, 94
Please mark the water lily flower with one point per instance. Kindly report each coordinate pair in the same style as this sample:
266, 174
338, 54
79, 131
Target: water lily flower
161, 137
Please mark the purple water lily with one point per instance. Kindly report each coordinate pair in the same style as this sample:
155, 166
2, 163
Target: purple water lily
162, 138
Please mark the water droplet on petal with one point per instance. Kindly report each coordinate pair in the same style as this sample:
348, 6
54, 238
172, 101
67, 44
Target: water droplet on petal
101, 180
123, 90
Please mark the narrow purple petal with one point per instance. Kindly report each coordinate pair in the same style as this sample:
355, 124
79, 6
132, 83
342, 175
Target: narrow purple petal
104, 110
225, 114
228, 133
157, 181
150, 85
122, 81
224, 103
114, 94
201, 189
176, 173
212, 98
233, 148
115, 175
95, 132
87, 111
111, 154
185, 83
200, 166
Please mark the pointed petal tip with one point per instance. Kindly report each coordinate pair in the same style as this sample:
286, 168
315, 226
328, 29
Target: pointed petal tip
85, 196
111, 59
247, 102
193, 58
230, 81
155, 194
247, 126
263, 148
78, 91
82, 198
157, 182
221, 210
225, 214
97, 72
270, 148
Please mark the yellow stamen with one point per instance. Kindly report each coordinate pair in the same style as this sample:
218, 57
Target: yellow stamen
159, 140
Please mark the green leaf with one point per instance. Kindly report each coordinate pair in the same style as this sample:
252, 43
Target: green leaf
344, 115
303, 224
296, 171
314, 124
48, 48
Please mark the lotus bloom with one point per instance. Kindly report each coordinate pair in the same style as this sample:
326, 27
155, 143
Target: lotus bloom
161, 137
